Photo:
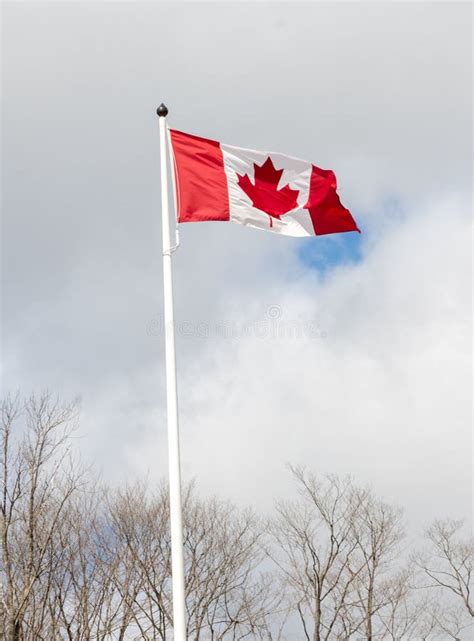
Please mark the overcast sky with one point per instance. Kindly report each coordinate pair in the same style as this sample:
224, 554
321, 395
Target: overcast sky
375, 378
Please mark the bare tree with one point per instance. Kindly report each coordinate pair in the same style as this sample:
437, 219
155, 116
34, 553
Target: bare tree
449, 561
85, 602
227, 597
378, 533
404, 615
426, 626
37, 482
453, 622
317, 552
139, 538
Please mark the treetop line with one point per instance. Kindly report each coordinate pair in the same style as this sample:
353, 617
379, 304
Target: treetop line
80, 561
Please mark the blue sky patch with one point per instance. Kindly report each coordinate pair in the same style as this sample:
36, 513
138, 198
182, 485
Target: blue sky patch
322, 253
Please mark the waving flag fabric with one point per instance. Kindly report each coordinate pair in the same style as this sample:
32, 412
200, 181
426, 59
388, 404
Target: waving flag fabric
261, 189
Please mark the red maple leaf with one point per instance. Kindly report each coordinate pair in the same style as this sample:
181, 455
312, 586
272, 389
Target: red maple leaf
264, 193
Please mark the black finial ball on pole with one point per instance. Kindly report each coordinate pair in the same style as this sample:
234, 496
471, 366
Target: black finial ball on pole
162, 110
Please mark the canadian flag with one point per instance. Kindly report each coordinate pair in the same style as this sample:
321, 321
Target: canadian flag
261, 189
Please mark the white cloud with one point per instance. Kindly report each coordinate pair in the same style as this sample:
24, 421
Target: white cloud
385, 395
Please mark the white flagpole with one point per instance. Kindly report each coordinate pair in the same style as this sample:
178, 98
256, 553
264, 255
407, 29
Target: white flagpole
177, 563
